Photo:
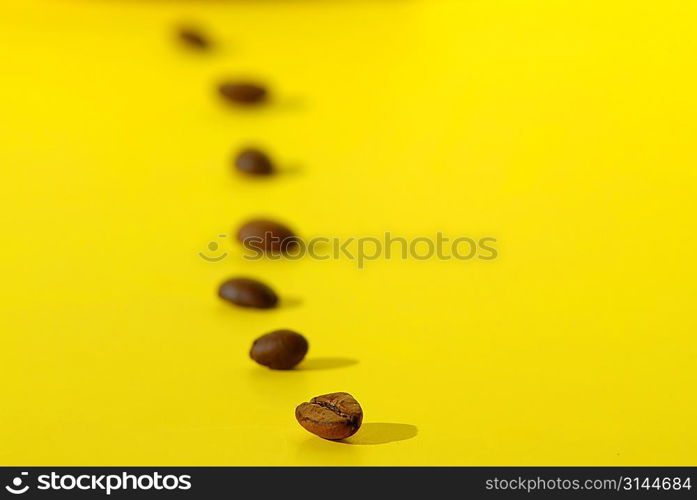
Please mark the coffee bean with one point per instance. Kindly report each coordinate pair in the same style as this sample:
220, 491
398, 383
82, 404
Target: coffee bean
194, 38
331, 416
254, 162
243, 92
247, 292
279, 350
266, 236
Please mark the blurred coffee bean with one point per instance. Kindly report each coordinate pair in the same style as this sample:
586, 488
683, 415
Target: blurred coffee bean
247, 292
331, 416
194, 38
245, 93
266, 236
279, 350
253, 161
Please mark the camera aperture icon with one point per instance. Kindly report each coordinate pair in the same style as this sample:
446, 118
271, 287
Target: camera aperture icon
16, 488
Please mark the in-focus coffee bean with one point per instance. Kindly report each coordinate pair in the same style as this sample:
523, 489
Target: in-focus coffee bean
247, 292
245, 93
331, 416
253, 161
267, 236
279, 350
194, 38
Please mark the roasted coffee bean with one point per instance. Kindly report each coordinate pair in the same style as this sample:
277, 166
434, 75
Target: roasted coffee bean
194, 38
331, 416
266, 236
243, 92
254, 162
279, 350
247, 292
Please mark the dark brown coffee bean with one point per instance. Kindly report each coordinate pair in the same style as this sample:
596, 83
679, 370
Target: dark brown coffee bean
254, 162
243, 92
194, 38
266, 236
279, 350
247, 292
331, 416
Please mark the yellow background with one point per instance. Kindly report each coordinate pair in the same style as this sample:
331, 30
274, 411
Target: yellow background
564, 129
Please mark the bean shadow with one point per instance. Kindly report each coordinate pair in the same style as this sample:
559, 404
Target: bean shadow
381, 433
273, 105
313, 364
291, 302
281, 171
289, 103
289, 169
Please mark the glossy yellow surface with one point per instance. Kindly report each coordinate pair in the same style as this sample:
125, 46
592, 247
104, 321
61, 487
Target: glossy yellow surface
564, 129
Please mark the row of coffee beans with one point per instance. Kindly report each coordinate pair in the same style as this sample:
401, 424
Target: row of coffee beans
330, 416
